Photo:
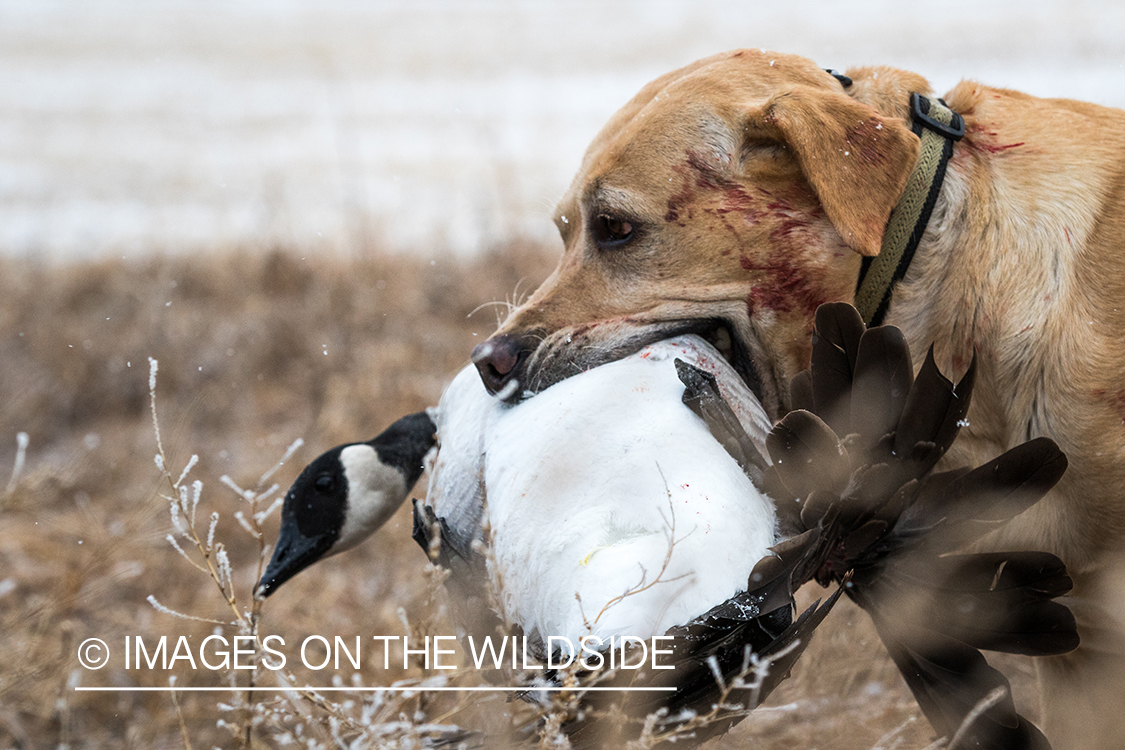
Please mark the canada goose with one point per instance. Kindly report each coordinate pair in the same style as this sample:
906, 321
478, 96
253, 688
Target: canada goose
345, 495
603, 483
680, 445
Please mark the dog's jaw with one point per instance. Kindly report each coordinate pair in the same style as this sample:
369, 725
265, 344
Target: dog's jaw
572, 350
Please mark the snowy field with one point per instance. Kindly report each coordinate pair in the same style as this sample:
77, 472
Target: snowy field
142, 126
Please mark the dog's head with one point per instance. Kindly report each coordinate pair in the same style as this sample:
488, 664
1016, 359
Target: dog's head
729, 198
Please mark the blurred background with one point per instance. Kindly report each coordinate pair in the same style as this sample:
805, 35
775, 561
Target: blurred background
130, 127
299, 209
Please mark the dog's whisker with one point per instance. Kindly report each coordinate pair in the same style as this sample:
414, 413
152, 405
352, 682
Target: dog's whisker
517, 296
537, 338
483, 305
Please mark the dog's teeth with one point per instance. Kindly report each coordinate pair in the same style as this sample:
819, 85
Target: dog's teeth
722, 341
508, 390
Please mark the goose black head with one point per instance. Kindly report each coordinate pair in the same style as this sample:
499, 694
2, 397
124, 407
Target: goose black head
345, 495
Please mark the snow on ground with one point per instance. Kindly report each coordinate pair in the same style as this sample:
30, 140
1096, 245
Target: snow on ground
151, 125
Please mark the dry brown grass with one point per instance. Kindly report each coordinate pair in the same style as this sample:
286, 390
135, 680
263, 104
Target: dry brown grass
256, 350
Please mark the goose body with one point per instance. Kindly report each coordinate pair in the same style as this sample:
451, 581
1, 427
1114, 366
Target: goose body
611, 508
605, 506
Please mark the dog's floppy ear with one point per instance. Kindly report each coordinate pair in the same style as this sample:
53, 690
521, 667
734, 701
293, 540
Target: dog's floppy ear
856, 161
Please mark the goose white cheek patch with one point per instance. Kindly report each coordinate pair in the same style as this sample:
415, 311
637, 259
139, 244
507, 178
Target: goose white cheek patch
368, 507
612, 509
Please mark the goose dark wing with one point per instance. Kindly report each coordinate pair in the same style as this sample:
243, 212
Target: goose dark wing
894, 525
724, 663
702, 396
1000, 601
835, 352
887, 524
984, 717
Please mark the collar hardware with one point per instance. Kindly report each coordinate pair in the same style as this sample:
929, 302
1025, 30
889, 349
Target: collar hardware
920, 108
843, 79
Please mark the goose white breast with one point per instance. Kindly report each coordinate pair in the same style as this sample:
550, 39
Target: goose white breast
603, 484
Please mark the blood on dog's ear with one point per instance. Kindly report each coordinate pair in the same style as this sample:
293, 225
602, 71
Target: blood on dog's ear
855, 160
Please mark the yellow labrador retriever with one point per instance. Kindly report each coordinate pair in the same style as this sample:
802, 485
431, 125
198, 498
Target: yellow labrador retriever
735, 195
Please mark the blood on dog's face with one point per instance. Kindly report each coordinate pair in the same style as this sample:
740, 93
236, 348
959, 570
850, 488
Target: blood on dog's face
730, 198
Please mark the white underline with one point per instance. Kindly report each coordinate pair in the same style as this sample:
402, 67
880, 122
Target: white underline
485, 689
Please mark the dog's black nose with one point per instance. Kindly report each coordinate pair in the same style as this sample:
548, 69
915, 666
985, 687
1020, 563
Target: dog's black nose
500, 361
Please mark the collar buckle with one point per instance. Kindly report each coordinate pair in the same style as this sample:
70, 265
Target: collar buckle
843, 79
921, 107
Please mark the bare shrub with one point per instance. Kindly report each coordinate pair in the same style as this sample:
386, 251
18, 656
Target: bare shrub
243, 371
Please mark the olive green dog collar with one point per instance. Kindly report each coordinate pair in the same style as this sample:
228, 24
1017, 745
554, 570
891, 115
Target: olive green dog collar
939, 128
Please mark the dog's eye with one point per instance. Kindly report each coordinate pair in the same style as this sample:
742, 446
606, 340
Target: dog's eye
610, 231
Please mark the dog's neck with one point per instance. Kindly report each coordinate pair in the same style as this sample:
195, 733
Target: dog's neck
947, 300
938, 128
